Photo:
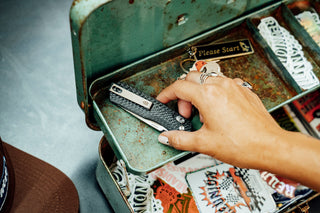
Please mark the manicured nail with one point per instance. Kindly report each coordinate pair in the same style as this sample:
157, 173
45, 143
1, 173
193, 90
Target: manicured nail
164, 140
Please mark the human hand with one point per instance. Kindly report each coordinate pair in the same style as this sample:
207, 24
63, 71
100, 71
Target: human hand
237, 129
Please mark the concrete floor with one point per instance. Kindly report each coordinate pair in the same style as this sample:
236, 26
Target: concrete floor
39, 110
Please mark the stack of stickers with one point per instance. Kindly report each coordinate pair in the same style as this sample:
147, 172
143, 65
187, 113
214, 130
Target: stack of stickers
163, 190
203, 184
289, 52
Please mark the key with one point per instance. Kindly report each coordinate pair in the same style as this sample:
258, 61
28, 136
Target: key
147, 109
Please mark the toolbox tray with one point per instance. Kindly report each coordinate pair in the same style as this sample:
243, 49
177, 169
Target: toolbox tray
112, 44
135, 142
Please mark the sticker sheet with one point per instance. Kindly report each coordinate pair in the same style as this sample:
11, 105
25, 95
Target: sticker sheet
225, 188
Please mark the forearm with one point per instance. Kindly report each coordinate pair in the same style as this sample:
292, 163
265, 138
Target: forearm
295, 156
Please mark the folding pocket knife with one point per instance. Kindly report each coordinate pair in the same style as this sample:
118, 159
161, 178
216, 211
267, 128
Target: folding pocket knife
147, 109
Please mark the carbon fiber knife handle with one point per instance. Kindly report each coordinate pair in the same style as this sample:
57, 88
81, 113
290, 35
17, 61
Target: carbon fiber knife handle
158, 112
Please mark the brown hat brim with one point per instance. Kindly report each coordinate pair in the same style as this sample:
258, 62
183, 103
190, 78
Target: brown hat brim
40, 187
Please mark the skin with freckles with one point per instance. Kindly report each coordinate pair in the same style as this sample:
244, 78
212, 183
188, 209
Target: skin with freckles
237, 129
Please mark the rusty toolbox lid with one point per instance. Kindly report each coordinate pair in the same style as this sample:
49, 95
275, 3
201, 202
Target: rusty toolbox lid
107, 35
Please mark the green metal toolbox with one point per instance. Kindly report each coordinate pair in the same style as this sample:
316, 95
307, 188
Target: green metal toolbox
143, 42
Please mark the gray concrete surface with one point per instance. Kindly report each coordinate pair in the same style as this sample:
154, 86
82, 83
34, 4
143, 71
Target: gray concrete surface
39, 111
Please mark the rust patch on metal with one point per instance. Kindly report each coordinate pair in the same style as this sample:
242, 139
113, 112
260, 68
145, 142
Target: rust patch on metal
256, 69
75, 2
82, 105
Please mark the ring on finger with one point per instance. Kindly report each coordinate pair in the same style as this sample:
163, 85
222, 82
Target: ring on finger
246, 84
204, 76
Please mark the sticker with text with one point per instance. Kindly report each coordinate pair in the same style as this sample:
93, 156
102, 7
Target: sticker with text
174, 174
225, 188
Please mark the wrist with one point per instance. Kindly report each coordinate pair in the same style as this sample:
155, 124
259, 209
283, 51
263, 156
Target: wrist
295, 156
274, 150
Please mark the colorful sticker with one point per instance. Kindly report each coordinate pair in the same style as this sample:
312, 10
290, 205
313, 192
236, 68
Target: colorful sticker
225, 188
311, 22
174, 174
309, 108
172, 201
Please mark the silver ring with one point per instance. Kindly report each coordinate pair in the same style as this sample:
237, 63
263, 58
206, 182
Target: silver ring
246, 84
204, 76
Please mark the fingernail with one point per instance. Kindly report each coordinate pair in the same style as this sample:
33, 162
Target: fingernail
164, 140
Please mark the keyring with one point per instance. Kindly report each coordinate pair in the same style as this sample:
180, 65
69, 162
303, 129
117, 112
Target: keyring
204, 76
183, 61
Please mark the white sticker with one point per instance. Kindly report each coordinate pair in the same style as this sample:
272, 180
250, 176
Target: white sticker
289, 52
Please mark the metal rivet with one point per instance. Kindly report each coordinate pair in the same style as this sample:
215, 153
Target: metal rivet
180, 119
182, 19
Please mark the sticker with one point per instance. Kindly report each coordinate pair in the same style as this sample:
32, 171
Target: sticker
147, 179
283, 202
225, 188
281, 185
141, 198
289, 52
288, 120
311, 22
223, 50
308, 107
172, 201
120, 174
174, 175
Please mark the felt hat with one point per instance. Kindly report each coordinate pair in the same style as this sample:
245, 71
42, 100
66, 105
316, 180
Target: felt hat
29, 184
